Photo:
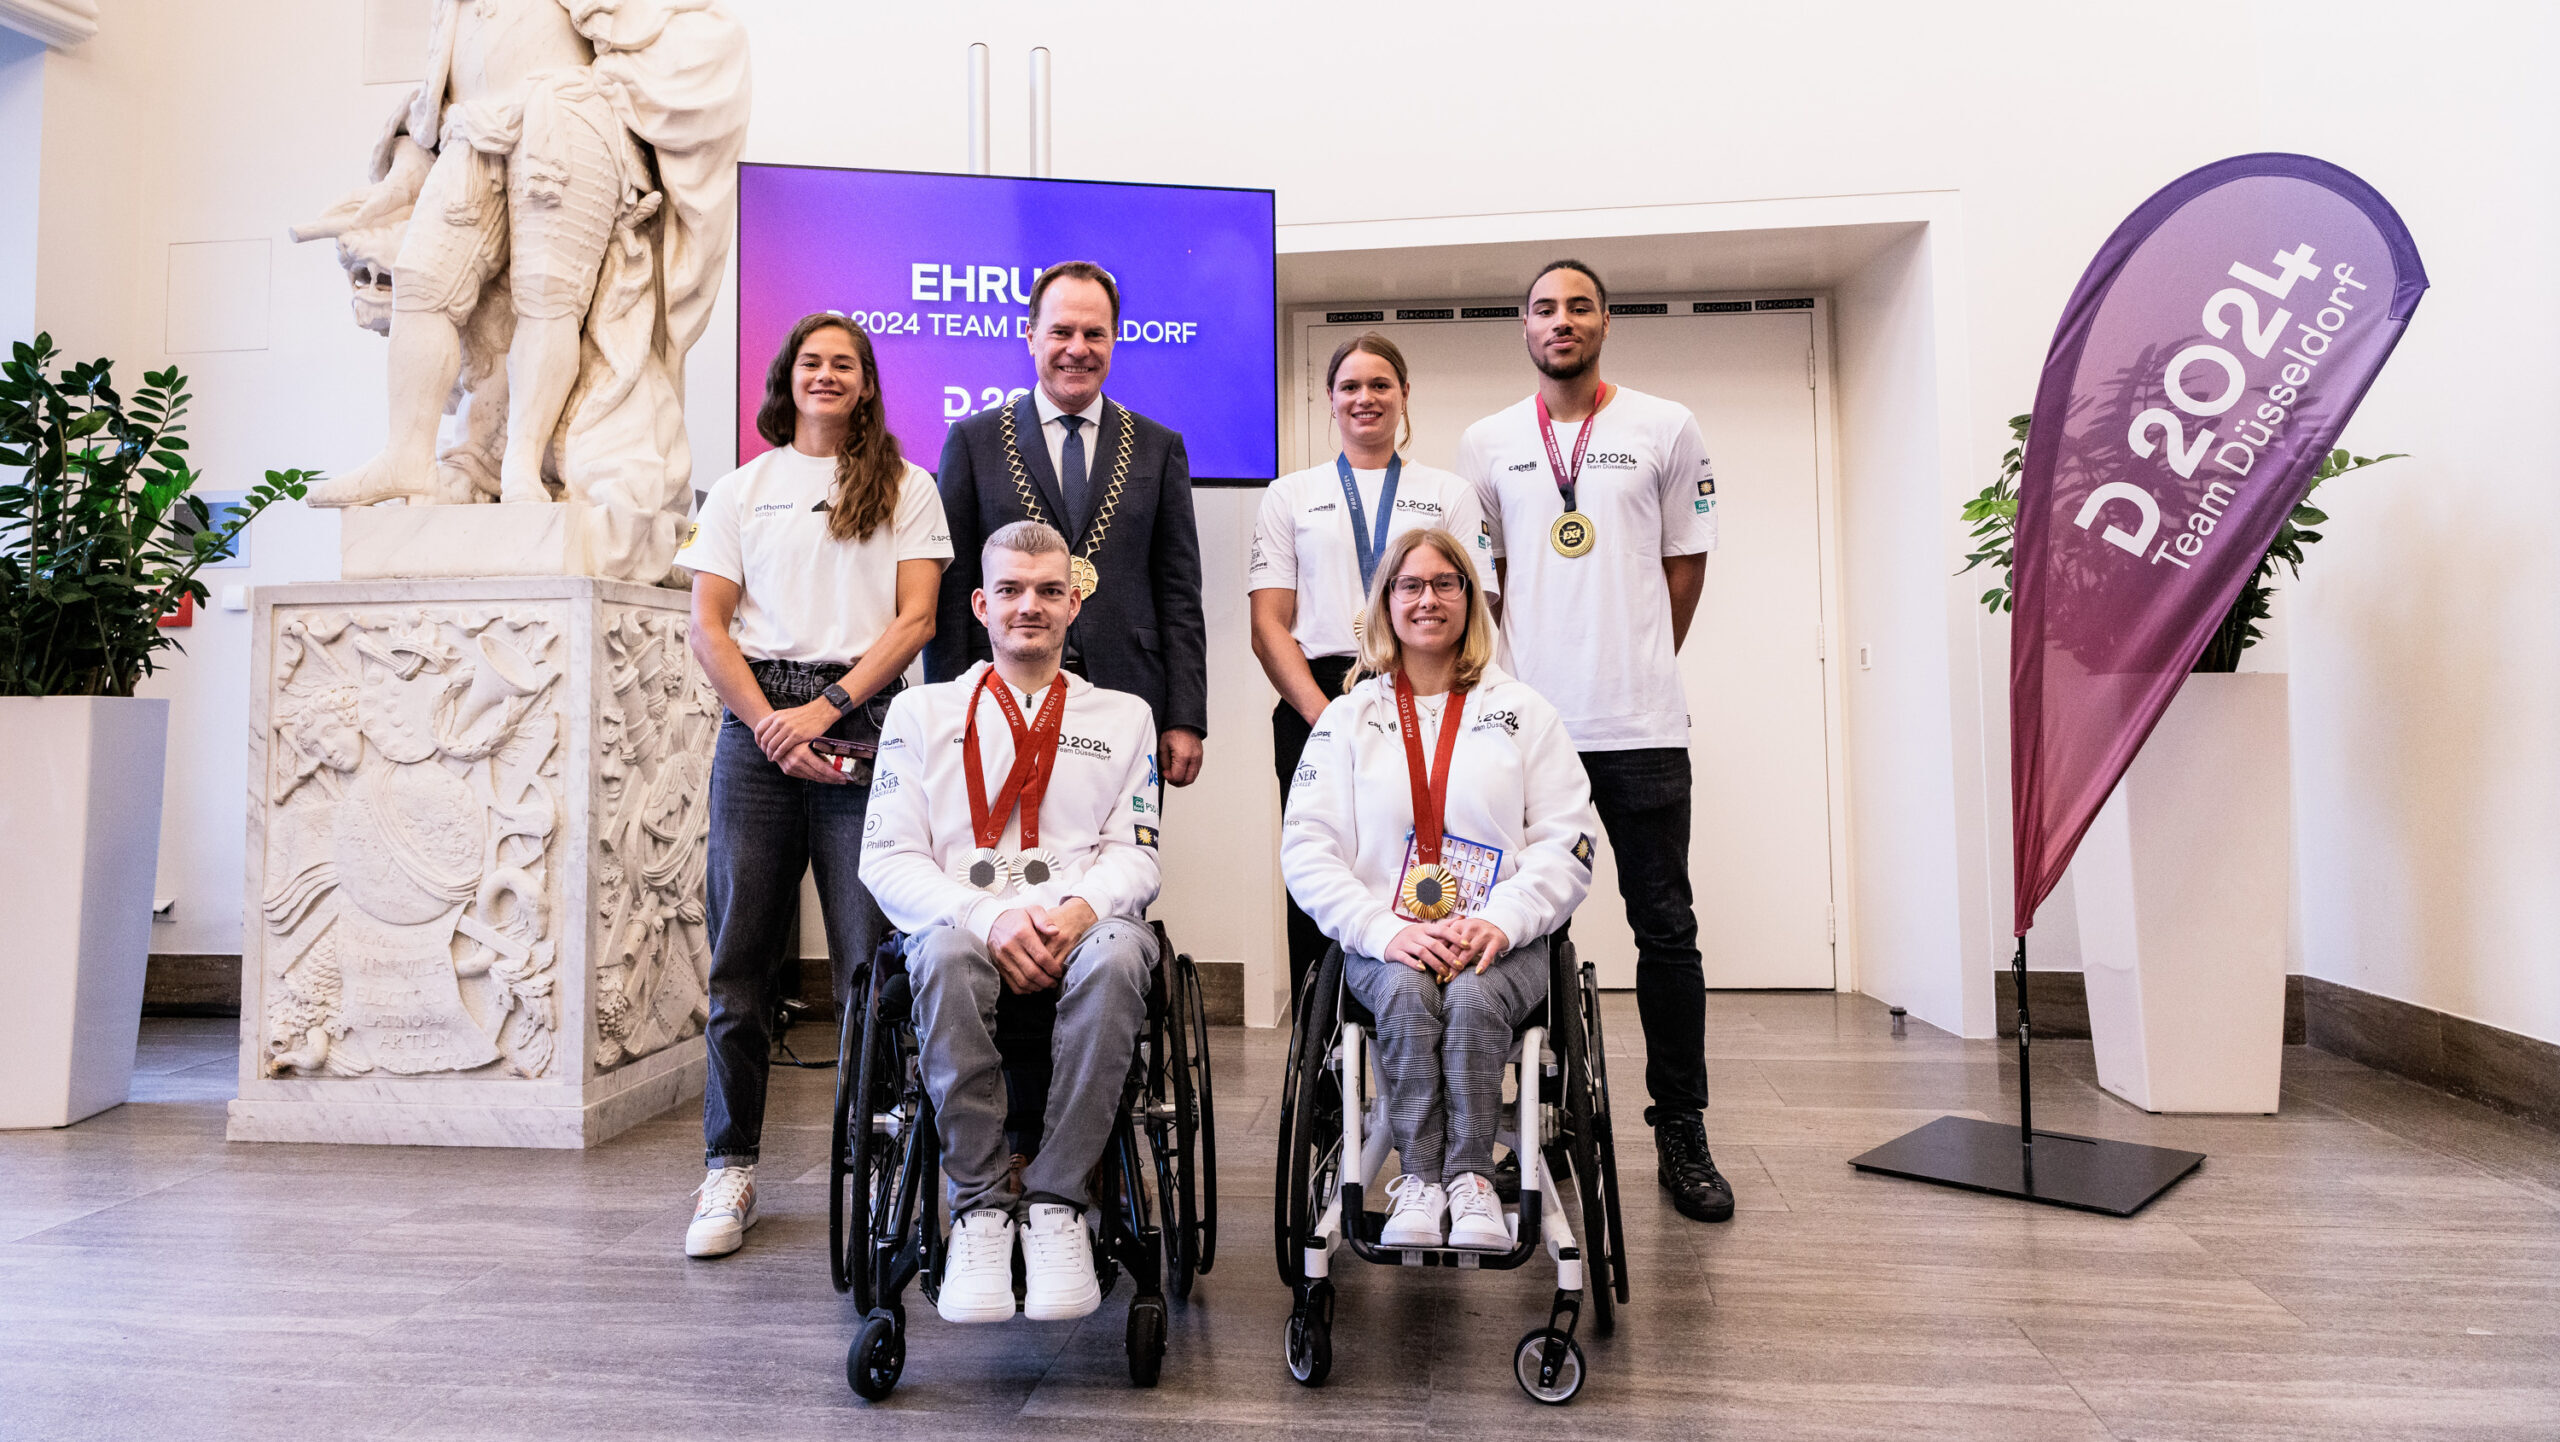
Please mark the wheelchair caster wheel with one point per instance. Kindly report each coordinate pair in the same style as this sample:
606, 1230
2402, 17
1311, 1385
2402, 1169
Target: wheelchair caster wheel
1146, 1342
1309, 1336
878, 1355
1549, 1366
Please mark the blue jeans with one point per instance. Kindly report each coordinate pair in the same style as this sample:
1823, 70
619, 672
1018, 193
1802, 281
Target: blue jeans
1643, 800
766, 829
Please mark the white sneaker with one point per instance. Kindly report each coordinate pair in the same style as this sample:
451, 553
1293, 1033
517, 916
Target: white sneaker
1475, 1215
726, 1209
1057, 1265
977, 1269
1420, 1209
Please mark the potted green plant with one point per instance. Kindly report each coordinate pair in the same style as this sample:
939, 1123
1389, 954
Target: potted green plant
100, 537
2180, 883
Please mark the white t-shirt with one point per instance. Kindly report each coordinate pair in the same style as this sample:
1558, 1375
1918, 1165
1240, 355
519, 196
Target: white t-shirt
1302, 542
1593, 633
806, 596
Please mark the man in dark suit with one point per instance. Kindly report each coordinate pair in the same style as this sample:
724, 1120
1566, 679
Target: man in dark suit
1118, 486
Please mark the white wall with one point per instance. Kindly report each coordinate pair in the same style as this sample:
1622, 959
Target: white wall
2426, 693
21, 173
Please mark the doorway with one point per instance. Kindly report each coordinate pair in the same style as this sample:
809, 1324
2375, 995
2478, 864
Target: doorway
1762, 849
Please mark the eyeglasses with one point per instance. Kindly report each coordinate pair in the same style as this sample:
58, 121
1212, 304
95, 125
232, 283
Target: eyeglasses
1448, 586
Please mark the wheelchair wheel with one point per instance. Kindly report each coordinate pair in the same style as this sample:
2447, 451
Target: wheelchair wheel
1200, 1187
1310, 1122
1548, 1366
1308, 1336
855, 1153
878, 1355
1146, 1342
1605, 1133
1174, 1137
1580, 1140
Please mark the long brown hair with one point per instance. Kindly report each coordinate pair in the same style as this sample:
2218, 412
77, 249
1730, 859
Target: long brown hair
1385, 350
869, 468
1381, 651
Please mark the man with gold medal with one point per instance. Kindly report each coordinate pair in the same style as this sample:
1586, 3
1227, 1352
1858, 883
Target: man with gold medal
1316, 543
1118, 487
1440, 829
1602, 506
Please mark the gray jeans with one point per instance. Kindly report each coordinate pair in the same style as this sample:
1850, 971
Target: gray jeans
1105, 1003
1441, 1050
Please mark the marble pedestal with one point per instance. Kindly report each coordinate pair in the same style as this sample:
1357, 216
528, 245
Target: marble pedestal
478, 811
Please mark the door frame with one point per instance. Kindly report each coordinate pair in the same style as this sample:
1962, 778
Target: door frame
1300, 437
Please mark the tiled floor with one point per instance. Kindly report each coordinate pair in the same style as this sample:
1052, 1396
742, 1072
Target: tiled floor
2377, 1261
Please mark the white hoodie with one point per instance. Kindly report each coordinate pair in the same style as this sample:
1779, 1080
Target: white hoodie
1099, 817
1515, 782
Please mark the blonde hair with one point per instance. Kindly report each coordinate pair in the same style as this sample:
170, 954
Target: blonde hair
1031, 538
1381, 653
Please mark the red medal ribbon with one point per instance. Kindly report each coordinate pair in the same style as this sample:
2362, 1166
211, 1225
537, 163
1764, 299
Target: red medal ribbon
1430, 793
1035, 752
1568, 482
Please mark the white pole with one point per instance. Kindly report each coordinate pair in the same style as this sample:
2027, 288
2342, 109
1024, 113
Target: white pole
1040, 127
981, 153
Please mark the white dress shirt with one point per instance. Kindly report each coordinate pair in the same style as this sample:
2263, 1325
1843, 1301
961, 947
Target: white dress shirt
1056, 437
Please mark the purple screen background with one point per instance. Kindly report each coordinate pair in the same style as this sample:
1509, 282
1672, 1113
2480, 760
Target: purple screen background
845, 240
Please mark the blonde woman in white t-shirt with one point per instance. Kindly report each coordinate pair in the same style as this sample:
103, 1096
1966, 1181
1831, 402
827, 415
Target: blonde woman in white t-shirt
1440, 828
815, 570
1316, 545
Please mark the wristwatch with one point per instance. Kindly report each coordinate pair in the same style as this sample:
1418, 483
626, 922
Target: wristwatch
837, 697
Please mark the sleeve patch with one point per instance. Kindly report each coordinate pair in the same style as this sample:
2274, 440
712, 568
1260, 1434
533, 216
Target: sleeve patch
1706, 485
1147, 837
1583, 850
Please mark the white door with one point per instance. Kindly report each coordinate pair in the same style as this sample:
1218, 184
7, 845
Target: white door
1760, 850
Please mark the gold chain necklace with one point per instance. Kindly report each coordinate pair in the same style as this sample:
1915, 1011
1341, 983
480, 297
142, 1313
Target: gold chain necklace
1080, 567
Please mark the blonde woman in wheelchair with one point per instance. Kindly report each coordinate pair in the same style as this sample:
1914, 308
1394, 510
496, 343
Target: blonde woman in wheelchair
1439, 829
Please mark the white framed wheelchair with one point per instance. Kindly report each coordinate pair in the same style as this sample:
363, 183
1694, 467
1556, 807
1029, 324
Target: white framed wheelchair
1558, 1087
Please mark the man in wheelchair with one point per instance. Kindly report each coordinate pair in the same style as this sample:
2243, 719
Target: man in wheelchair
1013, 839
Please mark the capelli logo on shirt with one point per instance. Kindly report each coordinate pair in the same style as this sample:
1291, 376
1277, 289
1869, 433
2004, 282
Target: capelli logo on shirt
1524, 466
1320, 510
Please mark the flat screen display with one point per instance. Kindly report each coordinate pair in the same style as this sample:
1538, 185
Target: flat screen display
938, 268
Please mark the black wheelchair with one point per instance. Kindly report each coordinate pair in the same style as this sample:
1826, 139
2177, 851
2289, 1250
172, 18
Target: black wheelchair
1557, 1127
885, 1223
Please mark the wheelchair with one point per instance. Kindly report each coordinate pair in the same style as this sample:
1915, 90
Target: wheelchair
1556, 1126
885, 1222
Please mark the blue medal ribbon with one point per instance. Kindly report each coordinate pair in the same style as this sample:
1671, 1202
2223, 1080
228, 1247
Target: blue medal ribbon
1366, 542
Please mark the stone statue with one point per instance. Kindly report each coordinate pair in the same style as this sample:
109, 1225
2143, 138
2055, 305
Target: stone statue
542, 241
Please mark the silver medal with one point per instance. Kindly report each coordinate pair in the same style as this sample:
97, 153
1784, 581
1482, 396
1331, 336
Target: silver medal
985, 869
1036, 866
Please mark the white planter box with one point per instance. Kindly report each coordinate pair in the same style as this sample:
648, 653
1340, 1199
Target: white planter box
80, 804
2182, 884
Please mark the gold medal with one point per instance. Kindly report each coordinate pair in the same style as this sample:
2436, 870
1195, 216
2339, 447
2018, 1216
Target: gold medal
1571, 535
1430, 891
1087, 580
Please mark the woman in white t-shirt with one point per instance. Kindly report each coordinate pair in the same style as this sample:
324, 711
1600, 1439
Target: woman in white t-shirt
815, 570
1316, 545
1440, 827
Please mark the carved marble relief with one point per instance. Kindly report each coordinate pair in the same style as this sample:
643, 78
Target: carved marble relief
413, 795
656, 722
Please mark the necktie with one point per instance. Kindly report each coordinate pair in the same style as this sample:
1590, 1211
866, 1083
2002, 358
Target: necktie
1072, 475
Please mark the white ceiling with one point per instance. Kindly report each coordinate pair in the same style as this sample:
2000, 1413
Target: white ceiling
1738, 260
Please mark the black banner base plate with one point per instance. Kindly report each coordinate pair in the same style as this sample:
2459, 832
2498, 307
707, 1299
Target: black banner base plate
2117, 1178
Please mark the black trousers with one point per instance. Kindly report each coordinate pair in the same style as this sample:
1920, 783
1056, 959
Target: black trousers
1643, 800
1289, 732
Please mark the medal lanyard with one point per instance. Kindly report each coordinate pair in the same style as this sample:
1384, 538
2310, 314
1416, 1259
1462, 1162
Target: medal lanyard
1568, 482
1035, 751
1430, 793
1365, 545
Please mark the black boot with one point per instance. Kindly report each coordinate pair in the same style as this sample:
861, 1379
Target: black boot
1688, 1172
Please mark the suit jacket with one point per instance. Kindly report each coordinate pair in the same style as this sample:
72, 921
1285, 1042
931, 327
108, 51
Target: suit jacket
1142, 632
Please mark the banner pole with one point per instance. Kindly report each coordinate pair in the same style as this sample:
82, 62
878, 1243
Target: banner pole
2026, 1090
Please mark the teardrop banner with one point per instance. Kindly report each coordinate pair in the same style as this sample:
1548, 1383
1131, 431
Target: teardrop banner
2209, 358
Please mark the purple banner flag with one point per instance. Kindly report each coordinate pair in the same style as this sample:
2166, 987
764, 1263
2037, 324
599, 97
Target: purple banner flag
2209, 358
